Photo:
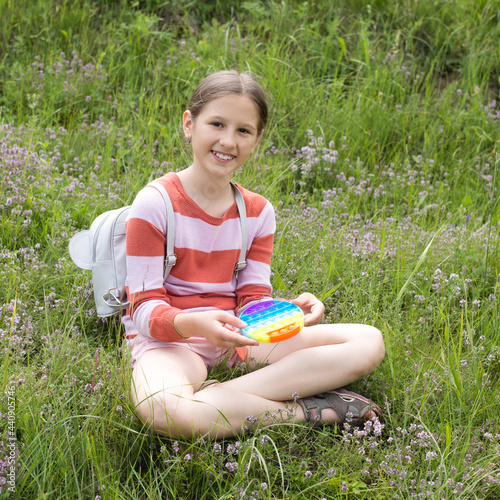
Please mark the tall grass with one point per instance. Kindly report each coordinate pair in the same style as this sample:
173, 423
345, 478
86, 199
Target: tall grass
381, 160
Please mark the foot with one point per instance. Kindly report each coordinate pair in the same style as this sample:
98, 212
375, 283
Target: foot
338, 406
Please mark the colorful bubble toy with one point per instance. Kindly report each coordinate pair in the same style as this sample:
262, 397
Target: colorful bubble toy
272, 321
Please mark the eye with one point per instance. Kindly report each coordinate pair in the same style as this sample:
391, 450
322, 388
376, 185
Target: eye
243, 130
217, 124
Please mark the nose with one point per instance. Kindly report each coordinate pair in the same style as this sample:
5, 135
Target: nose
228, 139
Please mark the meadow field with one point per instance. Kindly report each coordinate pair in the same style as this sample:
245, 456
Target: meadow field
383, 163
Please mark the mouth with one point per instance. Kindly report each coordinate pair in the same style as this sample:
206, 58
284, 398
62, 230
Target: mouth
222, 156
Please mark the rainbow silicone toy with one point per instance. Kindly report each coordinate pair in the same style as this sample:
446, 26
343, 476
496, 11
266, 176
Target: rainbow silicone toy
272, 321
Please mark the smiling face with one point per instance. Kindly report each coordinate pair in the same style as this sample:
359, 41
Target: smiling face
223, 134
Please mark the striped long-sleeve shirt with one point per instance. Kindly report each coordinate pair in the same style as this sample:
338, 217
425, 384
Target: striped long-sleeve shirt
207, 250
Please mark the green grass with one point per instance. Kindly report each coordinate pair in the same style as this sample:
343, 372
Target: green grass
382, 162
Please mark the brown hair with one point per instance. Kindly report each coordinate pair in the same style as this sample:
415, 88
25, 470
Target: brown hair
227, 82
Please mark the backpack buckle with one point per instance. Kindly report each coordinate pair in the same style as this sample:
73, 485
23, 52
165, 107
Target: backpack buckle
171, 259
240, 266
115, 299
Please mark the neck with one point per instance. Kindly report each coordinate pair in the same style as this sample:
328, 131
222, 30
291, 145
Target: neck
213, 195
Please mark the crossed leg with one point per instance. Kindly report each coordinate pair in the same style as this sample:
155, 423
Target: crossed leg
166, 382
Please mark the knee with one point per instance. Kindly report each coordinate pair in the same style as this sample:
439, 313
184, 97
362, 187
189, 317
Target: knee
162, 413
372, 347
150, 411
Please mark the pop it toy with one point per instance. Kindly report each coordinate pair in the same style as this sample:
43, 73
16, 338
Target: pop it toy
272, 321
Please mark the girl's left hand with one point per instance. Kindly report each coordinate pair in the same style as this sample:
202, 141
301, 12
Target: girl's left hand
313, 308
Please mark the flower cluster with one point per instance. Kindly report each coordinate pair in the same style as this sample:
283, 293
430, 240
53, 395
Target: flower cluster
397, 458
68, 79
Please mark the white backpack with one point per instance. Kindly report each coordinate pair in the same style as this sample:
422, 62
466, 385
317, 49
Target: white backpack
101, 249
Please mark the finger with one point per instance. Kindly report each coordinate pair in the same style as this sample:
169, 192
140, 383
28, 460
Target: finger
238, 340
311, 321
316, 315
235, 322
246, 342
304, 302
308, 321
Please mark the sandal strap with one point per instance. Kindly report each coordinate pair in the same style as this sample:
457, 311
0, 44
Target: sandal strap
312, 411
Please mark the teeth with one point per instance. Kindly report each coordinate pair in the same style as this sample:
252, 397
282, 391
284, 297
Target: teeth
223, 157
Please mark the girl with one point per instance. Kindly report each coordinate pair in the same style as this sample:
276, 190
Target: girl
182, 327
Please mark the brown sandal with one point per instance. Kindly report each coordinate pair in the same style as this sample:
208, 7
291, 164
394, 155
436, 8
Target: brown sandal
348, 405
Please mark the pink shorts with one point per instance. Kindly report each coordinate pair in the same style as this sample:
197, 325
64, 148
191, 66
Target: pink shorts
209, 353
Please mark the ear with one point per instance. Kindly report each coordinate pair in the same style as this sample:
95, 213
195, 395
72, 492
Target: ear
187, 124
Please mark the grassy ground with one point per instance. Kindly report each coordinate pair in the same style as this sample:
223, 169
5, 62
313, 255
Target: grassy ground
382, 163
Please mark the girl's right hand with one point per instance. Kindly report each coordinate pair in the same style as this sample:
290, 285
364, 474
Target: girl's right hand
215, 326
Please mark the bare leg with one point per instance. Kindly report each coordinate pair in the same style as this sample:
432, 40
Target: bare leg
166, 382
165, 390
320, 358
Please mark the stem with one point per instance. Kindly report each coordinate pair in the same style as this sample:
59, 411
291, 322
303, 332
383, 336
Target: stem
497, 161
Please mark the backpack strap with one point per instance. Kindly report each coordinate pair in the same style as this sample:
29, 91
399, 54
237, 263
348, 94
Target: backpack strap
170, 256
242, 209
